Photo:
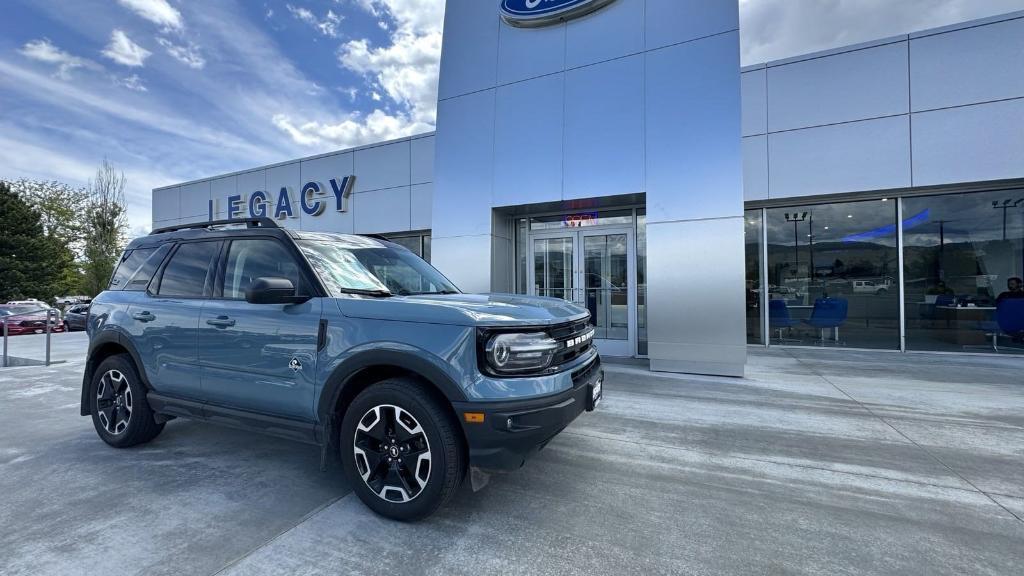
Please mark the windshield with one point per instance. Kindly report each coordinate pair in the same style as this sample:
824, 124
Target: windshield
363, 265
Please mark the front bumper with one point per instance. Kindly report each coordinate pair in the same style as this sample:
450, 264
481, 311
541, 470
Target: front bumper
512, 431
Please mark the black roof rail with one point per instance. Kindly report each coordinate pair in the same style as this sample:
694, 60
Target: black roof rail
376, 237
261, 222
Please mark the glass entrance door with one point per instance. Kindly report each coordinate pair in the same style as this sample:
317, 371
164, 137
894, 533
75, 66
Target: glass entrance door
594, 269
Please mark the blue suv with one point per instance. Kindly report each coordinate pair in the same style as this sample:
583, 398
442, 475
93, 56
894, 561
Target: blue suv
348, 342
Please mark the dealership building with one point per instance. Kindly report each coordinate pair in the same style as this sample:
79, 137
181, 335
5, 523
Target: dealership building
614, 153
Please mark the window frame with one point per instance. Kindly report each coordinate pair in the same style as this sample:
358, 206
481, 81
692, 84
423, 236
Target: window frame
153, 289
308, 286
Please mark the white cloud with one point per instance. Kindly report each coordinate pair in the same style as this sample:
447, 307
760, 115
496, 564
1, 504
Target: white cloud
774, 29
353, 131
159, 12
123, 51
133, 82
188, 54
328, 26
43, 50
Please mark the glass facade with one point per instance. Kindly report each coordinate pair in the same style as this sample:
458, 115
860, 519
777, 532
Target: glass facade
418, 244
834, 276
753, 236
963, 260
641, 282
590, 258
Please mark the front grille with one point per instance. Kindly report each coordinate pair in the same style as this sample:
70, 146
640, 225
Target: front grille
32, 323
584, 374
564, 334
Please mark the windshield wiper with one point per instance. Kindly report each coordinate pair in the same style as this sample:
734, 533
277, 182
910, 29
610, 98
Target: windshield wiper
365, 292
432, 293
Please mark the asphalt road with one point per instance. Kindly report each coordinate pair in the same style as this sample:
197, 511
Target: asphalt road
818, 462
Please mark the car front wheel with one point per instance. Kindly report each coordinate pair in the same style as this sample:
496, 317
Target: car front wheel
120, 412
401, 450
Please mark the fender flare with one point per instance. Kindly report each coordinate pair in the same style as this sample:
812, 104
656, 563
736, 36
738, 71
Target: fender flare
406, 358
102, 339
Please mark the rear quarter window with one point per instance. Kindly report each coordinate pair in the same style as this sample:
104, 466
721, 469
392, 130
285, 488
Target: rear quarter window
137, 267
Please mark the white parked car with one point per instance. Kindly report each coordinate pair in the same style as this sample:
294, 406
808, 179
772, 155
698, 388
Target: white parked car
871, 287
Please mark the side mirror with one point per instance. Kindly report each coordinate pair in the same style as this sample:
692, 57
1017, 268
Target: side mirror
270, 290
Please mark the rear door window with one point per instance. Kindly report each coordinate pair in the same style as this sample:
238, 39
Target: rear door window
187, 273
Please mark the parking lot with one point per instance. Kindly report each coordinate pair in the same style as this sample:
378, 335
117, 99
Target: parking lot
819, 462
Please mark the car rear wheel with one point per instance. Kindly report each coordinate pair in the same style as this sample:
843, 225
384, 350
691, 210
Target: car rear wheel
120, 412
401, 450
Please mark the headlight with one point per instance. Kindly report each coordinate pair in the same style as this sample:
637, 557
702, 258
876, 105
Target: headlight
513, 353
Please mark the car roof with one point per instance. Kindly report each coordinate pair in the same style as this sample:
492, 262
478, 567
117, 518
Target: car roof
240, 228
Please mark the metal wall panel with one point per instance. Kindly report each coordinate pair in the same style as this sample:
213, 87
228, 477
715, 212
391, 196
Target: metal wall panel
969, 144
195, 200
967, 66
755, 168
165, 205
245, 184
693, 158
422, 151
220, 189
465, 260
529, 118
755, 102
866, 155
673, 21
612, 32
469, 58
382, 166
696, 318
464, 166
321, 170
849, 86
381, 211
278, 177
604, 121
525, 53
421, 206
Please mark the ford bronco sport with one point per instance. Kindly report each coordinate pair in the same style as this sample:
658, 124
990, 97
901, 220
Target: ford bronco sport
348, 342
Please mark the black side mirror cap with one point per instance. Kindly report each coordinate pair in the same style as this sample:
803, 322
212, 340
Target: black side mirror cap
272, 290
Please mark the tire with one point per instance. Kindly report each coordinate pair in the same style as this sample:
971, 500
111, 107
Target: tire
115, 389
66, 327
399, 418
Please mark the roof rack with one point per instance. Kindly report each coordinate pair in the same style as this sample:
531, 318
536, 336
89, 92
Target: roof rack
262, 222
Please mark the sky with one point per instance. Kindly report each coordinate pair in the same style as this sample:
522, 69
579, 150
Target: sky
174, 90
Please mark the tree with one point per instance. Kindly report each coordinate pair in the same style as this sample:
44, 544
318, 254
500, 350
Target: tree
61, 207
106, 225
31, 263
62, 210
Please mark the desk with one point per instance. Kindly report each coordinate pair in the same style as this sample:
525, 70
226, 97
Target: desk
962, 323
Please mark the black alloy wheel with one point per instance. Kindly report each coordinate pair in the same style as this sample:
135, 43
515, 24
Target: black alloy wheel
402, 449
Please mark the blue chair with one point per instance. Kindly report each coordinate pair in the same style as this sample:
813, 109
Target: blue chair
828, 313
1009, 320
779, 318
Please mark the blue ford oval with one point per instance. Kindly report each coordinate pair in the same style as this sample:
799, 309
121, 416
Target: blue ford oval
532, 13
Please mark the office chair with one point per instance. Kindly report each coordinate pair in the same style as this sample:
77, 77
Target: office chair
779, 319
1009, 320
828, 313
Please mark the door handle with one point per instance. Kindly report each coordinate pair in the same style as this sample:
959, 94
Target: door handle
144, 316
221, 322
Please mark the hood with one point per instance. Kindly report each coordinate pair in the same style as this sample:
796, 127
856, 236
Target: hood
465, 309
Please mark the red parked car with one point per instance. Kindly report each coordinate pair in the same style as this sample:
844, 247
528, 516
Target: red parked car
22, 319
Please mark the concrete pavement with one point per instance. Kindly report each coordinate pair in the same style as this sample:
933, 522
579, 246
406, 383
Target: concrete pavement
819, 462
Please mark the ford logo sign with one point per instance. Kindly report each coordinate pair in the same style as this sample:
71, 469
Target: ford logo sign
535, 13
